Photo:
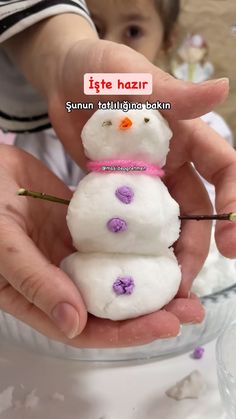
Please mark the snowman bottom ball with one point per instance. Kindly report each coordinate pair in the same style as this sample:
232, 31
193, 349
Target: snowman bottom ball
120, 287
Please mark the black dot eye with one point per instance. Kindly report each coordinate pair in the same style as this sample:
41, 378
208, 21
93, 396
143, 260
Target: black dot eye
106, 123
134, 32
146, 120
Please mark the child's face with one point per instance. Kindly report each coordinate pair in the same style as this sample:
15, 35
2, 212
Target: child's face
135, 23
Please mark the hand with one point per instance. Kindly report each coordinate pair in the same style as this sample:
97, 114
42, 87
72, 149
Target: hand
55, 62
193, 141
34, 239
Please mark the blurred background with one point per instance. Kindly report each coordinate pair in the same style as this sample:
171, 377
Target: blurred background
215, 20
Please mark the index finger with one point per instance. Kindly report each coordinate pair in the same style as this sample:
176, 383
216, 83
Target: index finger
215, 160
29, 272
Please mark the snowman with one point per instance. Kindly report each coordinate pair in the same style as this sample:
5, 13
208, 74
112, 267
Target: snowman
122, 218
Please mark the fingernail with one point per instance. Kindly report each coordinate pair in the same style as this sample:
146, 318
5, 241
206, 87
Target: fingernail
216, 81
180, 331
192, 323
222, 80
169, 335
66, 318
166, 336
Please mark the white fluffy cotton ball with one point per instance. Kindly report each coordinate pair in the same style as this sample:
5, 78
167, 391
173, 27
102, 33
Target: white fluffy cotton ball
141, 135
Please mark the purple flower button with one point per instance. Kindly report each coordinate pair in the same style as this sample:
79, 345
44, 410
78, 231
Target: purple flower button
124, 285
116, 225
198, 352
125, 194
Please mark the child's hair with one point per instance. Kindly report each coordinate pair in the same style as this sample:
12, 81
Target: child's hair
169, 12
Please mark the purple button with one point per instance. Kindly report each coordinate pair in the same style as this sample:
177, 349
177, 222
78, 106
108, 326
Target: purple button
198, 352
116, 225
124, 285
125, 194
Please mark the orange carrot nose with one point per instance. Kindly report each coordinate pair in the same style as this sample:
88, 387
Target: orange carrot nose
126, 123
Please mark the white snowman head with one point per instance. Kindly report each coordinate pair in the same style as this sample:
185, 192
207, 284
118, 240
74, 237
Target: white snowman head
136, 134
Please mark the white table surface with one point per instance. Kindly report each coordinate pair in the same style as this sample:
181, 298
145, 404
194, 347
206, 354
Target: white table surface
109, 391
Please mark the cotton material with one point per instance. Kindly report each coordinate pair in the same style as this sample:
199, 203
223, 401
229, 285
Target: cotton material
156, 279
124, 224
152, 217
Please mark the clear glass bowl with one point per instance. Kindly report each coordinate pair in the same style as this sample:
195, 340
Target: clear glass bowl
226, 369
220, 311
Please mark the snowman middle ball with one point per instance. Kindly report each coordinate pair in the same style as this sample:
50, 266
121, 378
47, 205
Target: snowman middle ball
122, 218
149, 221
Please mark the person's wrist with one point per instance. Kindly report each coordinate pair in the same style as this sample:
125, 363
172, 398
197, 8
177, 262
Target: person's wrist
40, 50
61, 41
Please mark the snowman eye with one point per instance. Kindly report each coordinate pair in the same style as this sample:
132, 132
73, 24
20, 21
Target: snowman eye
106, 123
146, 120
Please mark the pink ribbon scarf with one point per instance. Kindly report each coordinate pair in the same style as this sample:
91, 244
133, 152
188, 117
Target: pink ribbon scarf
125, 166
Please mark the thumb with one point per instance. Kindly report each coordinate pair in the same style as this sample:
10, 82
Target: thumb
26, 269
188, 100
